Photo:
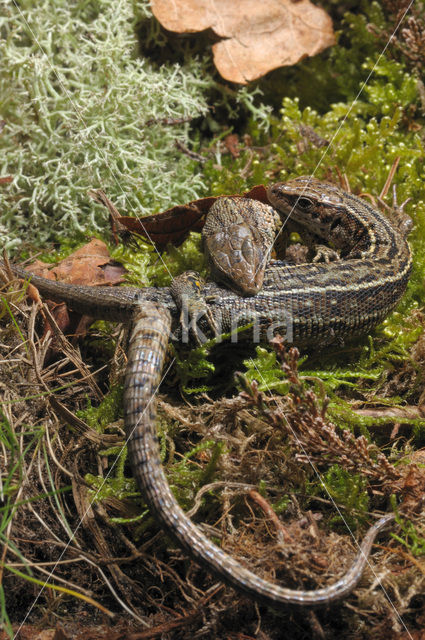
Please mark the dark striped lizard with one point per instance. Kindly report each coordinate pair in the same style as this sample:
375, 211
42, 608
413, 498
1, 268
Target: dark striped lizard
314, 304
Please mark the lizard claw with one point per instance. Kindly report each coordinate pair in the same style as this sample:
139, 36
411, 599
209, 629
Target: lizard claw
325, 254
186, 290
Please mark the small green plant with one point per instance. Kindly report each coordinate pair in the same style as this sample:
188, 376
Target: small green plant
410, 537
345, 489
266, 370
107, 411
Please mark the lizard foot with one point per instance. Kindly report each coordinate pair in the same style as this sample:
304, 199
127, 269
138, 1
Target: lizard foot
186, 290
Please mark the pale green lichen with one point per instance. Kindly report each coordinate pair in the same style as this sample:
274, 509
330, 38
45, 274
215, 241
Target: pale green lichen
82, 110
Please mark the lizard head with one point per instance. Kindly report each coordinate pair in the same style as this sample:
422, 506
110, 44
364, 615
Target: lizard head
317, 206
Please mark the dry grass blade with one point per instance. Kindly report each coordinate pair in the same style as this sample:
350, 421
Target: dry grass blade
102, 532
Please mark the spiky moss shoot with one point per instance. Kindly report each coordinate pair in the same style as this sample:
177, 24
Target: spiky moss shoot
109, 410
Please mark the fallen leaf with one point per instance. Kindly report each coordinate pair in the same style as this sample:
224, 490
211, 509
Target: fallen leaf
173, 225
91, 265
256, 36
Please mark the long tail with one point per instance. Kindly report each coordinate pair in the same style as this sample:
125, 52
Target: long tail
148, 344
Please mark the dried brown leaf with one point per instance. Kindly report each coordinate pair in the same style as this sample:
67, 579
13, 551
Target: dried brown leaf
256, 36
173, 225
89, 265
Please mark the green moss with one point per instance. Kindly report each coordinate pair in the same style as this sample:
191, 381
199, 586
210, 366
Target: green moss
345, 489
144, 268
194, 364
118, 488
411, 536
186, 478
363, 144
281, 505
109, 410
366, 374
266, 370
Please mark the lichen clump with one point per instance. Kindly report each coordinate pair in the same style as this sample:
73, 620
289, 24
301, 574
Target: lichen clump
80, 110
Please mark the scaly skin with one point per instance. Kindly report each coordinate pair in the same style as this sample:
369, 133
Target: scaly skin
148, 345
323, 302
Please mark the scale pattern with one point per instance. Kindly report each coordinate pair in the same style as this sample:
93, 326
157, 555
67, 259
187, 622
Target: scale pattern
317, 303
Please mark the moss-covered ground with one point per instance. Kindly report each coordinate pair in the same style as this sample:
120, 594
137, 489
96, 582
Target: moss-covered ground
95, 95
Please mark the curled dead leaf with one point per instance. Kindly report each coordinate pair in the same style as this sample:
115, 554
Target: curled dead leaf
256, 36
173, 225
91, 265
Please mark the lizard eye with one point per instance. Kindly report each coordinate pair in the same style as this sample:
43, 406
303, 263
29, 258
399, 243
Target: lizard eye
304, 203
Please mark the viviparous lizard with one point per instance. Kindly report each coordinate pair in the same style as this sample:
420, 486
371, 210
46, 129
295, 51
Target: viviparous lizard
318, 302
